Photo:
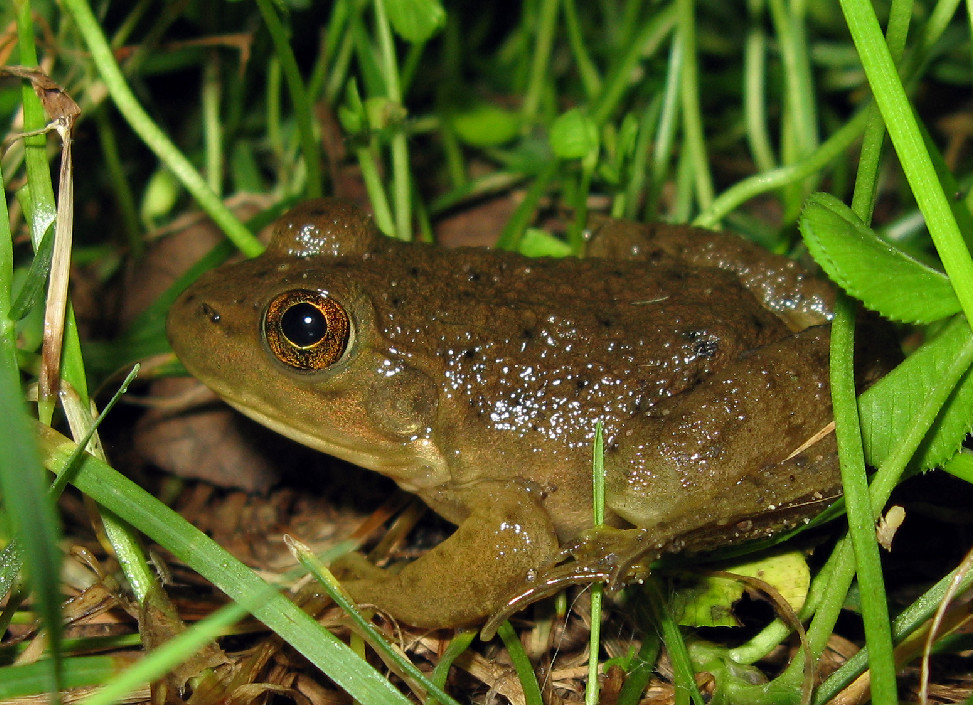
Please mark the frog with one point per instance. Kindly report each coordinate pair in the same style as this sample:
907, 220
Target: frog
478, 380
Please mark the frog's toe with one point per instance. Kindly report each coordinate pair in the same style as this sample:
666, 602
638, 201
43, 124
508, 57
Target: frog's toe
354, 565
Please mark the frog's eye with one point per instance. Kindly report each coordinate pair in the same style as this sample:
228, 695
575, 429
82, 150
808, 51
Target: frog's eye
306, 330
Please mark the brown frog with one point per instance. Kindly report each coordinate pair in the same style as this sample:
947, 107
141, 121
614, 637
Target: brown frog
474, 378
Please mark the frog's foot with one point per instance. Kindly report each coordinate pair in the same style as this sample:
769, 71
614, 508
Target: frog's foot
615, 557
465, 578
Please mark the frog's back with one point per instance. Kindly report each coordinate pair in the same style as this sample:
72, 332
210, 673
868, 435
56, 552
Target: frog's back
544, 347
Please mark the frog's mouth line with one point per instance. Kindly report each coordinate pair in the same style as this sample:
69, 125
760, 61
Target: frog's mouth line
406, 464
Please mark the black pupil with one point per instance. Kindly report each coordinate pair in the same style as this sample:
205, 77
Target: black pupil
303, 325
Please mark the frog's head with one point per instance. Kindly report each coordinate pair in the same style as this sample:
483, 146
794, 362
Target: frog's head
289, 339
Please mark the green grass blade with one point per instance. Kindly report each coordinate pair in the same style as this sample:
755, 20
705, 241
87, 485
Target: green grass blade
79, 671
34, 282
521, 663
861, 523
911, 618
25, 498
303, 115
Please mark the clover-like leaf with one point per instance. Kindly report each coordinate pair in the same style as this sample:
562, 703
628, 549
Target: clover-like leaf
486, 125
574, 135
416, 20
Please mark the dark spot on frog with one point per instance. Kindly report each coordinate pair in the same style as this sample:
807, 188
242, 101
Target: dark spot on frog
606, 322
414, 272
819, 357
581, 383
474, 276
643, 403
271, 271
704, 345
655, 255
470, 353
478, 403
706, 348
527, 334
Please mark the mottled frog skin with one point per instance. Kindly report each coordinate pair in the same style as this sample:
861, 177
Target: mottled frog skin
474, 378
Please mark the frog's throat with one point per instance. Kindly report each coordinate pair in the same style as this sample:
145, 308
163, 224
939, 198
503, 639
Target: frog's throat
414, 465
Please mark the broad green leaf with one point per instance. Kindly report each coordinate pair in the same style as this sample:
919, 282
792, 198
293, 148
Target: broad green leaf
892, 404
486, 125
416, 20
161, 194
709, 602
540, 243
883, 277
574, 135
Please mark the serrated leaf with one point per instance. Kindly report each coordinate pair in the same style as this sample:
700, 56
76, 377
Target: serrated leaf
892, 405
883, 277
961, 466
416, 20
486, 125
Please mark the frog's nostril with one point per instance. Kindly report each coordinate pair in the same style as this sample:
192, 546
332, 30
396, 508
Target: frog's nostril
211, 313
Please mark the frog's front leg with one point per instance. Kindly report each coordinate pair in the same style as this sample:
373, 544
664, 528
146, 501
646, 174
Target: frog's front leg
506, 538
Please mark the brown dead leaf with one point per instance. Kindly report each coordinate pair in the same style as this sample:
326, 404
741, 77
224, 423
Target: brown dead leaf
57, 104
478, 225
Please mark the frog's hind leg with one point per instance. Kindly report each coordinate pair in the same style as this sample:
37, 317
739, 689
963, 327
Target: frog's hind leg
498, 548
